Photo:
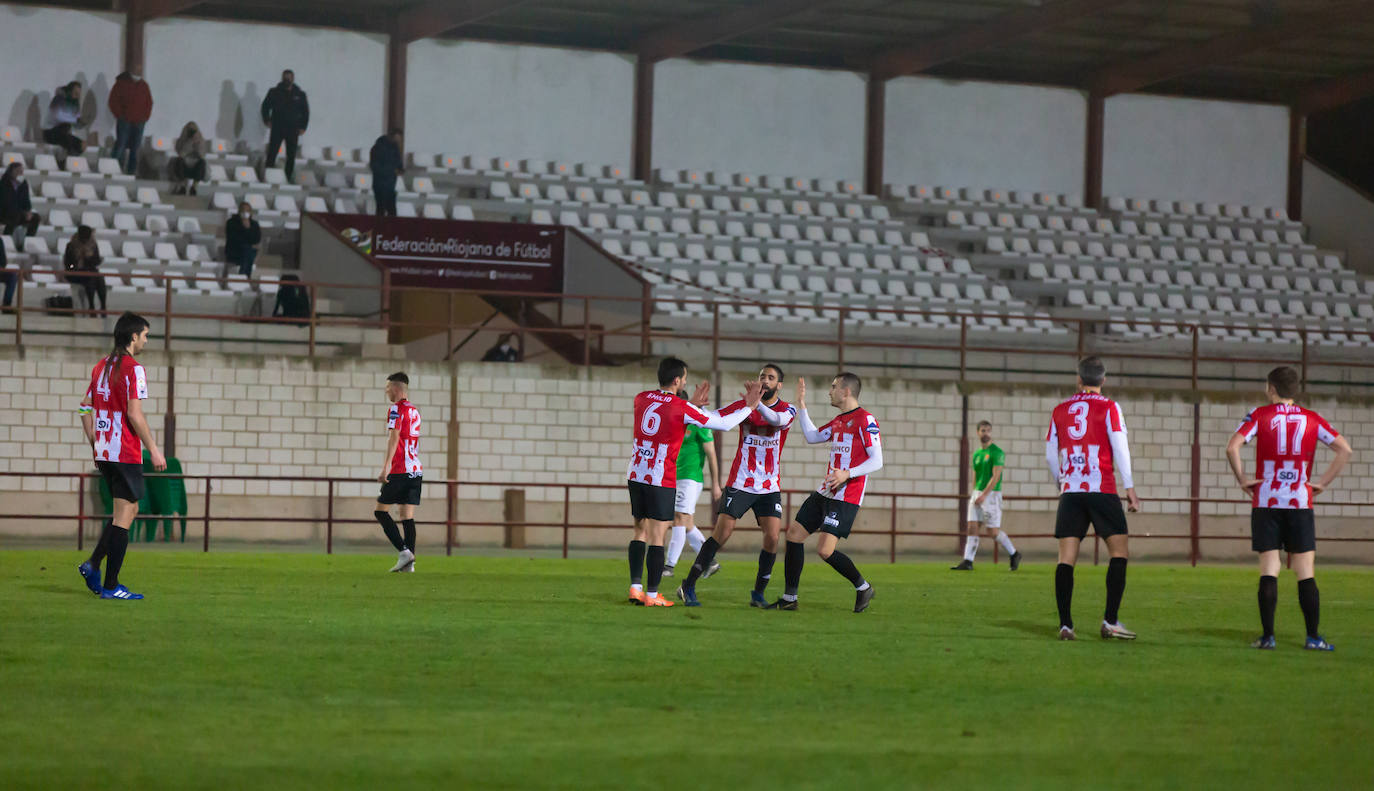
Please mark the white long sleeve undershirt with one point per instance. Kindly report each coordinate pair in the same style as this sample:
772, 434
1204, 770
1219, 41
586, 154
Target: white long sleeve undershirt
814, 436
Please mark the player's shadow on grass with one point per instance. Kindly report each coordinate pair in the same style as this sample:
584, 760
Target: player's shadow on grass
64, 589
1029, 627
1221, 633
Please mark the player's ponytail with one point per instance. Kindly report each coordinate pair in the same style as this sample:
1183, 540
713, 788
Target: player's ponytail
129, 325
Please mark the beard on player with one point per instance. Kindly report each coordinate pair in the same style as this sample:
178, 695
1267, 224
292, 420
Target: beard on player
769, 395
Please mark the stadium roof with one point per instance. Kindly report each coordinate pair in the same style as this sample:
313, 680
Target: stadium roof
1262, 50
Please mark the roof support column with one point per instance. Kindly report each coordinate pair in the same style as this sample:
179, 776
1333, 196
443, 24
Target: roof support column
396, 53
643, 140
875, 134
1092, 165
1297, 153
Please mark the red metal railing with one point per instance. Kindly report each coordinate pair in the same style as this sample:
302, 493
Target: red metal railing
642, 331
452, 521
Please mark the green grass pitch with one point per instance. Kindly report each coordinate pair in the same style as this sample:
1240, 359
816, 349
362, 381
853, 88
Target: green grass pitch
263, 671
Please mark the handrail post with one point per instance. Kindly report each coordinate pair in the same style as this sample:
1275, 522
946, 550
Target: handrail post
840, 341
448, 345
1303, 334
567, 500
1196, 333
586, 332
1082, 337
1195, 487
166, 313
963, 347
18, 309
450, 496
715, 337
329, 517
205, 540
892, 533
80, 512
314, 299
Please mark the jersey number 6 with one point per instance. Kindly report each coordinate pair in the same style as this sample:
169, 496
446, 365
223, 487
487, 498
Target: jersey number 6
650, 422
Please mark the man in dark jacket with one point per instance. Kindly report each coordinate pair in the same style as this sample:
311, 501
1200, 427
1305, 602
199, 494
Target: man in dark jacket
286, 111
17, 216
131, 103
242, 234
386, 163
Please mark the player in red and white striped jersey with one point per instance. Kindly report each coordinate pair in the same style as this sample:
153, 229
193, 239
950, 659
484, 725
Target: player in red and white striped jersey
856, 451
660, 419
1085, 447
112, 417
1281, 494
755, 483
402, 475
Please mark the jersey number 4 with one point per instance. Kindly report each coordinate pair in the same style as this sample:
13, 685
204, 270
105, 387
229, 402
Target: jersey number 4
1280, 424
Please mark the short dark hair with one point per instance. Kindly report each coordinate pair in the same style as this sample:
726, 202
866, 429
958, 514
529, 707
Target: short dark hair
1285, 381
776, 370
400, 378
987, 423
670, 369
851, 382
1092, 371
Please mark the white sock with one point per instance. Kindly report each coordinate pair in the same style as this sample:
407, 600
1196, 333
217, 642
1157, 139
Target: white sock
864, 586
695, 539
1005, 543
635, 586
789, 597
675, 544
970, 548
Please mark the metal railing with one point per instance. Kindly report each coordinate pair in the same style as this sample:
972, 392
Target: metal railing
640, 332
452, 520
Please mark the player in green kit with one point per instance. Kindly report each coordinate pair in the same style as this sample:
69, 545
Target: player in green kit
698, 444
985, 504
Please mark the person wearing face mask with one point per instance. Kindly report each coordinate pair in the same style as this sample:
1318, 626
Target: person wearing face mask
504, 351
64, 112
131, 103
242, 235
286, 112
16, 209
188, 167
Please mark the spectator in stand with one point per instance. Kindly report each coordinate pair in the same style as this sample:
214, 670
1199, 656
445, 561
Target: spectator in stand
286, 112
64, 112
188, 167
16, 209
81, 260
242, 234
293, 301
387, 163
504, 351
131, 103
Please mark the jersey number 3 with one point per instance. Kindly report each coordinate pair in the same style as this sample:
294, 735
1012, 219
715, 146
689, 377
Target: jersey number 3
1079, 429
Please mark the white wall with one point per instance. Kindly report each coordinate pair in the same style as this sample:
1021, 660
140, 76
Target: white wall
983, 134
468, 97
42, 48
217, 73
1339, 217
758, 119
1226, 152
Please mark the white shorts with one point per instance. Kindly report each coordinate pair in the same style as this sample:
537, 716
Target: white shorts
688, 493
989, 513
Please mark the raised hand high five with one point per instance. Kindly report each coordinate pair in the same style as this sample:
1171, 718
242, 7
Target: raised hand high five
801, 393
702, 394
753, 393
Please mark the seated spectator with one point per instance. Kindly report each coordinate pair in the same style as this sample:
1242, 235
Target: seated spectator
82, 264
16, 209
64, 112
504, 351
242, 234
293, 301
188, 167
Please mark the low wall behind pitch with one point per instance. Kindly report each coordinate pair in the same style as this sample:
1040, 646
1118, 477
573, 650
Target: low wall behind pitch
553, 424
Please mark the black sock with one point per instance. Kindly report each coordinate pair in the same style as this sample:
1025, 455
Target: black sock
792, 562
655, 562
637, 562
1310, 603
1063, 593
766, 561
1116, 585
409, 526
389, 527
102, 546
1268, 602
840, 562
703, 561
114, 550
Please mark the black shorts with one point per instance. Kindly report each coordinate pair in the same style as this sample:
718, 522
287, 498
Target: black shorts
652, 502
1077, 510
827, 515
125, 480
1290, 529
401, 489
735, 503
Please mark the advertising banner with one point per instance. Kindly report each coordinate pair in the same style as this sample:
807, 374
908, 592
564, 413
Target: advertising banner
457, 254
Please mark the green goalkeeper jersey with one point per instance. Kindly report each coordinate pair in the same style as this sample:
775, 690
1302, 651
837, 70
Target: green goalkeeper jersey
984, 459
689, 456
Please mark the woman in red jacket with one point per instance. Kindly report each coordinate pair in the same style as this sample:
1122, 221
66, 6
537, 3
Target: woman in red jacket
131, 103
